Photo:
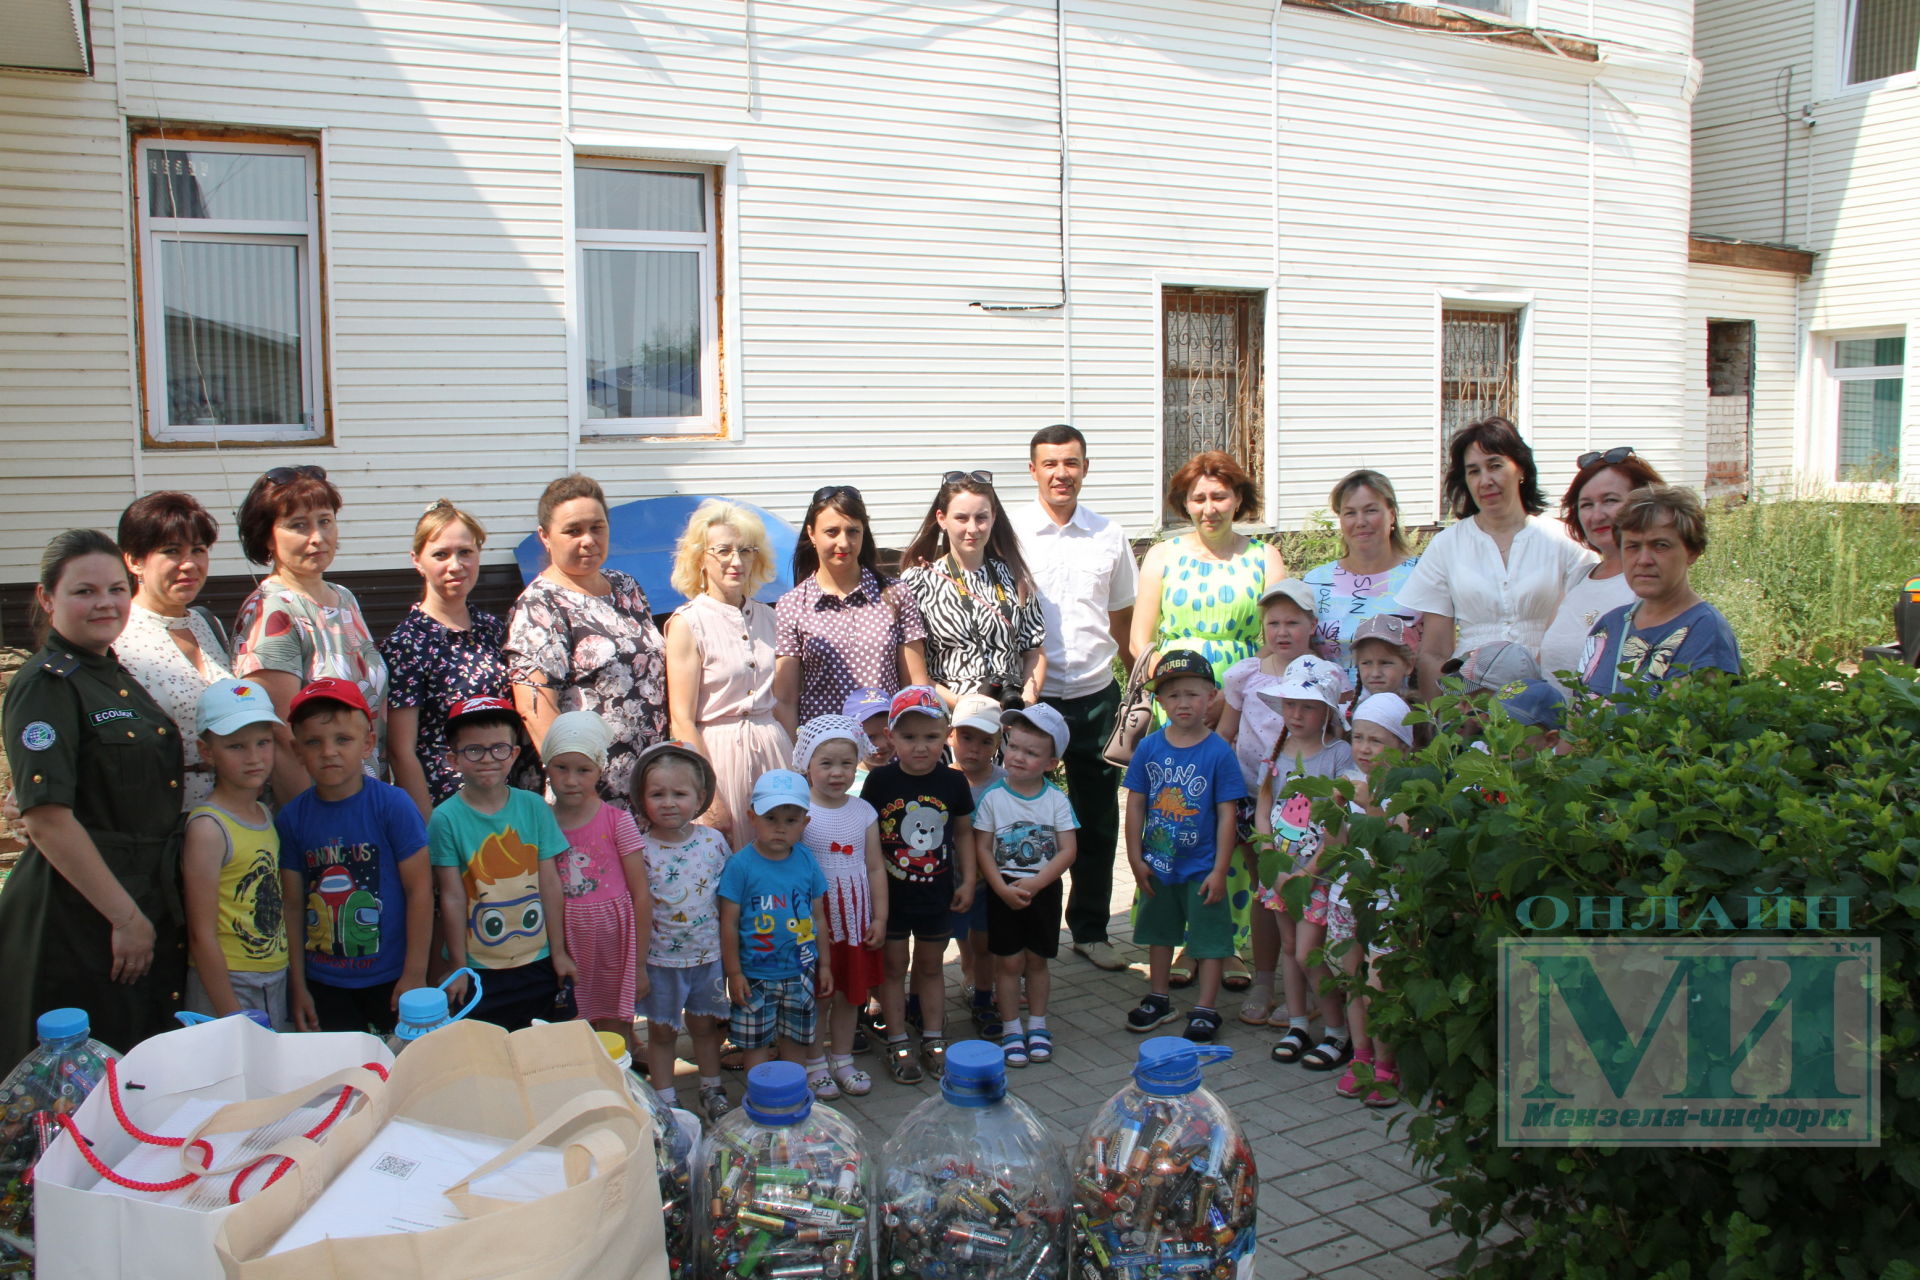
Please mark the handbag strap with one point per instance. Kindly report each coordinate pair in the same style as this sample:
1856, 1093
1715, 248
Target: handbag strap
244, 1117
599, 1144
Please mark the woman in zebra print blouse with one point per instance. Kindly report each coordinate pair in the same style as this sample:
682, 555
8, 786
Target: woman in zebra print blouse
982, 612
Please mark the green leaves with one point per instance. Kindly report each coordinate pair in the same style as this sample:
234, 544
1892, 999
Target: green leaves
1796, 782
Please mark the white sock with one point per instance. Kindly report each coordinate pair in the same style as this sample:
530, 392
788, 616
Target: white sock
668, 1097
841, 1061
1037, 1022
1332, 1032
710, 1082
1297, 1024
1011, 1027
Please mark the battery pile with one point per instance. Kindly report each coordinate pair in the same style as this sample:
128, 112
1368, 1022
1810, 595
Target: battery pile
1165, 1188
785, 1204
944, 1220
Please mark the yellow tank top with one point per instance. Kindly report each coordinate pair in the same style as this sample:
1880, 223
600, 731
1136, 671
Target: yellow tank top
252, 926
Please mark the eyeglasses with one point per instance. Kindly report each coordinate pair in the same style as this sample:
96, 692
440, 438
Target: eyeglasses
960, 477
1612, 457
742, 554
492, 751
287, 475
827, 491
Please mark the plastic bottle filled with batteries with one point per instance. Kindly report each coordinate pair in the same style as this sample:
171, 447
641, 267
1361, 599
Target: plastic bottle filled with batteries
49, 1082
1164, 1182
972, 1186
783, 1187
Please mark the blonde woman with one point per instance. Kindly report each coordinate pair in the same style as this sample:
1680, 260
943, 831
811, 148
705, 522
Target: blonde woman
441, 653
720, 657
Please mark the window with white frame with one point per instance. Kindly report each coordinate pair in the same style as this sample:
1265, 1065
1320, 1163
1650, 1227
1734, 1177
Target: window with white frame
1883, 38
1505, 8
230, 288
649, 320
1869, 397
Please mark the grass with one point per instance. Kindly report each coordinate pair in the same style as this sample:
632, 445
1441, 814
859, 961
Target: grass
1808, 572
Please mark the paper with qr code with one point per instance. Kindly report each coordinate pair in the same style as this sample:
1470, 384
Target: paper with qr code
397, 1183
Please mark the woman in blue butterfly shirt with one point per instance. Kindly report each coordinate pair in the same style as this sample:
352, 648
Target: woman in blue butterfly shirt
1668, 630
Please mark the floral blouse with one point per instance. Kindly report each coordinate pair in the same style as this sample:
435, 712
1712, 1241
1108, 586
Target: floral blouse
148, 651
432, 667
599, 653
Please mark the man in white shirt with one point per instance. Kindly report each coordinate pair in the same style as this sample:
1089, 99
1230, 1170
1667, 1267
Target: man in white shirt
1085, 570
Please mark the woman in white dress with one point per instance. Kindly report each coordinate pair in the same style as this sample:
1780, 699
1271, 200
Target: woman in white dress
1593, 500
1500, 570
174, 648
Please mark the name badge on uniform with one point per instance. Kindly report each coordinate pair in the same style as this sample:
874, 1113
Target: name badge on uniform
114, 713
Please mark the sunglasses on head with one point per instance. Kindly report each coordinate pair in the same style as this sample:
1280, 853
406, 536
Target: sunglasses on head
1612, 457
961, 477
287, 475
827, 491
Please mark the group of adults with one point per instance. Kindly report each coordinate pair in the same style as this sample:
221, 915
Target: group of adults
1033, 603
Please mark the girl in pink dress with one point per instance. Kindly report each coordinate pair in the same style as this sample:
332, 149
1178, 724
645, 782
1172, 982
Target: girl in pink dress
720, 659
609, 908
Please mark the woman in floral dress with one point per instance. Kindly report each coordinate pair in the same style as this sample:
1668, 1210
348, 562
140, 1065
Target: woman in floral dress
582, 637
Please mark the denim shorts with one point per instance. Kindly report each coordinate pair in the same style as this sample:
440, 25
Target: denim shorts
700, 990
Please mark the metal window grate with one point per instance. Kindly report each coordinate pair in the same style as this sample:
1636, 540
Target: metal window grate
1212, 381
1479, 352
1886, 36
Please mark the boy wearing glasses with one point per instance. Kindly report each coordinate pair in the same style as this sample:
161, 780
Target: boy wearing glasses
493, 848
350, 866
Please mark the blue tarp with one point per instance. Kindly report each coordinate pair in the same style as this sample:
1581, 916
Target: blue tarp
643, 533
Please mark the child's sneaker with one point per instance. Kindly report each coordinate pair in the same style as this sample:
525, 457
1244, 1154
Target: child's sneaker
1153, 1011
713, 1101
1202, 1026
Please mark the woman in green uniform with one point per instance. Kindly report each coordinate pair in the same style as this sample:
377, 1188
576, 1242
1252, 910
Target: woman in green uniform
90, 916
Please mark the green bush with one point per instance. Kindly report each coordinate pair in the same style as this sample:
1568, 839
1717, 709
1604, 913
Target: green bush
1797, 574
1800, 781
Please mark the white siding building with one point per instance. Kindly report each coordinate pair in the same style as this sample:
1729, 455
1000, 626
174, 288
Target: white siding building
459, 248
1807, 133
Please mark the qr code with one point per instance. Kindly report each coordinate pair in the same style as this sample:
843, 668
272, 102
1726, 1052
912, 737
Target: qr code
395, 1166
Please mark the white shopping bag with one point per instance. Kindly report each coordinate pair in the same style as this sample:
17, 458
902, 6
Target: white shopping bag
87, 1228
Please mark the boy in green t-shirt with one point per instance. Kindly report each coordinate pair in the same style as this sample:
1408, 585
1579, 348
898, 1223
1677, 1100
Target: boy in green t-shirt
492, 848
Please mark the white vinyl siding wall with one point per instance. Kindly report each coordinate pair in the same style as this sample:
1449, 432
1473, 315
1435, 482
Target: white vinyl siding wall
1767, 299
887, 167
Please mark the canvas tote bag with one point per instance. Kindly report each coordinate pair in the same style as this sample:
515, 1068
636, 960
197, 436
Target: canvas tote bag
89, 1231
544, 1086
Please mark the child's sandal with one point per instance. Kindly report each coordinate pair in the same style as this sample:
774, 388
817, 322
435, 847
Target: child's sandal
1331, 1052
1349, 1084
933, 1055
1258, 1008
853, 1082
1039, 1045
902, 1064
823, 1085
1292, 1045
1013, 1047
1380, 1099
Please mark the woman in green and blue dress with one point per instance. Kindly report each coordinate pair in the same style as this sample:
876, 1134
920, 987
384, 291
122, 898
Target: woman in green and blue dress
1201, 590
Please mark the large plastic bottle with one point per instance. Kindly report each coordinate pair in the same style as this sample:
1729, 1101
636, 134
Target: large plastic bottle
672, 1151
972, 1186
53, 1080
782, 1184
425, 1009
1164, 1182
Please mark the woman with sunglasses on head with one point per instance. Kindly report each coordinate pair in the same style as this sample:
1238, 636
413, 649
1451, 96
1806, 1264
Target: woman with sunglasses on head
720, 660
843, 626
1589, 510
443, 652
581, 637
984, 627
1499, 571
174, 648
297, 627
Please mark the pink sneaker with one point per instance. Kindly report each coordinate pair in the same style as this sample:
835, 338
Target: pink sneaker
1380, 1099
1349, 1086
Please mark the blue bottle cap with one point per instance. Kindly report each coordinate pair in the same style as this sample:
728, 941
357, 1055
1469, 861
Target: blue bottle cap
976, 1074
62, 1024
1169, 1066
777, 1093
422, 1009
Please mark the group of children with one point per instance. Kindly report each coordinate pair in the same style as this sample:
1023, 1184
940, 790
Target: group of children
591, 909
867, 858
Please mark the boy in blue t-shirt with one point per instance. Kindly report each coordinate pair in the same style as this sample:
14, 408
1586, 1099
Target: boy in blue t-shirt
493, 849
1181, 788
348, 856
773, 912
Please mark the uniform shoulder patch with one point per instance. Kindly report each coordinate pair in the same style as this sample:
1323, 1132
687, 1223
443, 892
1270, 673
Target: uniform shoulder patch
38, 736
60, 664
